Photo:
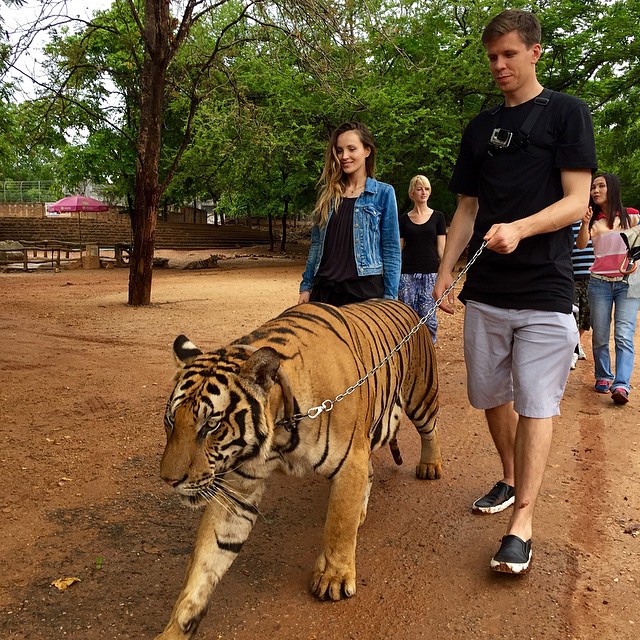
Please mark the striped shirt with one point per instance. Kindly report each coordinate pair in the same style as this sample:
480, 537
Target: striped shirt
582, 259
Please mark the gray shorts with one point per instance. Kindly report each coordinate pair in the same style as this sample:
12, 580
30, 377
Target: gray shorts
519, 355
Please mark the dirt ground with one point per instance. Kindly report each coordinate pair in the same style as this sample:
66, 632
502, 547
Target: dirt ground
85, 379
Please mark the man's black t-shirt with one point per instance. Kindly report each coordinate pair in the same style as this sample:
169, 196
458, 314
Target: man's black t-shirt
420, 252
511, 186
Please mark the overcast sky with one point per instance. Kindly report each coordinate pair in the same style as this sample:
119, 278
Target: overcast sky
20, 22
28, 14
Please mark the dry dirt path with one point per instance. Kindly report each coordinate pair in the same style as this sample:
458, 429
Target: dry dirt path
84, 382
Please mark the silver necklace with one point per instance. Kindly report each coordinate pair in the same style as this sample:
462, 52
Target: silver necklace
353, 189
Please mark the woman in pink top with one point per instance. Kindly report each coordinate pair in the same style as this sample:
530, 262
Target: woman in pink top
607, 286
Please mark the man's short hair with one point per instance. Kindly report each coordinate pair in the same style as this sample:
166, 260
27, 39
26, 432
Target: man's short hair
524, 22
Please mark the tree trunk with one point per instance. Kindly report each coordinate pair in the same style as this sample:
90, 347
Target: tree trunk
143, 224
285, 214
271, 240
156, 36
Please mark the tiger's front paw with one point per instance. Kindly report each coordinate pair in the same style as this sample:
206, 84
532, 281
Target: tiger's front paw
429, 470
332, 582
180, 630
171, 634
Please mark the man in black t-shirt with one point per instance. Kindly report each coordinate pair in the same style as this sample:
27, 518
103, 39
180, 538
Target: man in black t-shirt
523, 176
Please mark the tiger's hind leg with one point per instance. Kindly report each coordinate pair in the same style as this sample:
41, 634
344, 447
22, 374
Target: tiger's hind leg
425, 420
420, 402
430, 465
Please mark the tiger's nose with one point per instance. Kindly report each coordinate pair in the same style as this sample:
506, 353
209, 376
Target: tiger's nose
172, 482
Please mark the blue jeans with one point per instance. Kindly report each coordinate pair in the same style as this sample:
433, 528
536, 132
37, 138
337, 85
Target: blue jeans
603, 296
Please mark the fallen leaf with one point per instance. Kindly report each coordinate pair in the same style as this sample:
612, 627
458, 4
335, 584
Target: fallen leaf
151, 550
62, 584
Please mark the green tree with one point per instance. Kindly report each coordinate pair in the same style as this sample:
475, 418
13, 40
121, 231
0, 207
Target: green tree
7, 123
176, 74
233, 101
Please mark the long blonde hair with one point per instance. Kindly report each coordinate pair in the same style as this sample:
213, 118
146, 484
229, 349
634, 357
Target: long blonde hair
332, 180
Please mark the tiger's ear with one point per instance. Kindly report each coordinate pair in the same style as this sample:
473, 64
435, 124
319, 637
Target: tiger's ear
262, 367
184, 350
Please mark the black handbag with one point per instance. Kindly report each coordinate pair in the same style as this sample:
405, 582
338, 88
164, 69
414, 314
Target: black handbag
631, 239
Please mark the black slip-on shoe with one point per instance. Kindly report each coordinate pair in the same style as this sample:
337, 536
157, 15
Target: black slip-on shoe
501, 497
514, 556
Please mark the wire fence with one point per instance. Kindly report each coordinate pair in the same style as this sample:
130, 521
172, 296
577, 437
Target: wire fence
29, 191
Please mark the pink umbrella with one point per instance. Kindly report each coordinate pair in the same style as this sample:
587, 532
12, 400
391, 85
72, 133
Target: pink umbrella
78, 203
72, 204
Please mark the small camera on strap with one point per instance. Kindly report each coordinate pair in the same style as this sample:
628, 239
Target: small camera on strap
505, 141
501, 138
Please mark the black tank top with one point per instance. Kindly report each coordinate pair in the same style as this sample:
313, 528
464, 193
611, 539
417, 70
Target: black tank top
338, 259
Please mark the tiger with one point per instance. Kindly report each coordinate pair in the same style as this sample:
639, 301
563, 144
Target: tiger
207, 263
266, 402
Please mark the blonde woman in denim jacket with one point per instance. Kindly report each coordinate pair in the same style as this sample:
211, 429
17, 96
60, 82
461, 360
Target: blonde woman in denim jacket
355, 241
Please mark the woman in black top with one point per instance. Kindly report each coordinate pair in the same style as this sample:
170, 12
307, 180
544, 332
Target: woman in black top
422, 239
355, 242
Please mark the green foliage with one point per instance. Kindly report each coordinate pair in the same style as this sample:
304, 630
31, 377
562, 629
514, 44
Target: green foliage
250, 103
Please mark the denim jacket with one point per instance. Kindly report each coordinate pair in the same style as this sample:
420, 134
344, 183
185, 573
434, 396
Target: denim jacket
376, 238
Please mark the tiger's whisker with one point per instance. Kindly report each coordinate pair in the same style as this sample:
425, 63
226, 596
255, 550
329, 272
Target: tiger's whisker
221, 500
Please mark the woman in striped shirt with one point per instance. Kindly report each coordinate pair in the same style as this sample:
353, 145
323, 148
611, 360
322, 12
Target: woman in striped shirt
608, 288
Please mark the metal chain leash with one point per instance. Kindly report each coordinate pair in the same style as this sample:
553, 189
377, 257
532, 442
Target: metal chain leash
328, 405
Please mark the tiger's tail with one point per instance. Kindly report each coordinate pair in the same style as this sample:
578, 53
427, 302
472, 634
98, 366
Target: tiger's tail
395, 451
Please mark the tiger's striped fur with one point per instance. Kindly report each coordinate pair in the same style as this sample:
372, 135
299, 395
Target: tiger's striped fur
207, 263
223, 439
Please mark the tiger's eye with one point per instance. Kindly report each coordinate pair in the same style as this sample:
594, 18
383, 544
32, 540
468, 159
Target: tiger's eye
209, 427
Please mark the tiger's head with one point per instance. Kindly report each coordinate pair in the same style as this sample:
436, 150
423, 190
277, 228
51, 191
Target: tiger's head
216, 418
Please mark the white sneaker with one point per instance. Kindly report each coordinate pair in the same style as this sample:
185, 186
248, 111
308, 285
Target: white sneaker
574, 359
581, 355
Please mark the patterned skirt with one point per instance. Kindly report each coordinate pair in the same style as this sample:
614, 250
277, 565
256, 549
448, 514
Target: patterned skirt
416, 291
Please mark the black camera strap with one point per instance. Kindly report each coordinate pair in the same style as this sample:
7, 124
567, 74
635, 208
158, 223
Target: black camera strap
539, 103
